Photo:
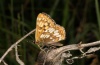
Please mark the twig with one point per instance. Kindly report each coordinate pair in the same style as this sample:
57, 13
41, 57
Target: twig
5, 63
17, 57
12, 46
91, 44
57, 52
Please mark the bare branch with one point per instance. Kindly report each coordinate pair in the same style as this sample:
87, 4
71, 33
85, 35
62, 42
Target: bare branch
9, 49
91, 44
57, 51
17, 57
5, 63
54, 55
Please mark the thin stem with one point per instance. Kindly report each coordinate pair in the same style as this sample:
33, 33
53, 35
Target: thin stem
16, 43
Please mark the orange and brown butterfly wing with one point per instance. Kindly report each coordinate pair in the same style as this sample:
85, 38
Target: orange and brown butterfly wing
61, 32
47, 30
42, 24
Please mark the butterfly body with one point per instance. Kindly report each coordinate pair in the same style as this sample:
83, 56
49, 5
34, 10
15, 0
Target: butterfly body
47, 31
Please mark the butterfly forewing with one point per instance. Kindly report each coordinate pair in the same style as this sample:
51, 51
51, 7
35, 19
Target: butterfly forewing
47, 31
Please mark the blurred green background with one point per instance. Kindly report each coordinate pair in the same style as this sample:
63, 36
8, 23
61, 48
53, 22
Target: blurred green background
80, 18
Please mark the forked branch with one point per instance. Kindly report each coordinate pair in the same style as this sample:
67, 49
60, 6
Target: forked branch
54, 56
15, 44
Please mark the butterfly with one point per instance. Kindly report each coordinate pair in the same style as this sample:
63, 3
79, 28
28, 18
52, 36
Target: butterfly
47, 31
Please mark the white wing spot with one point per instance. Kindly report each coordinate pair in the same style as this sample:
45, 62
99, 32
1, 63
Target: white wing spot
50, 37
40, 24
53, 40
51, 30
58, 36
46, 31
56, 31
47, 36
44, 36
55, 34
38, 19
